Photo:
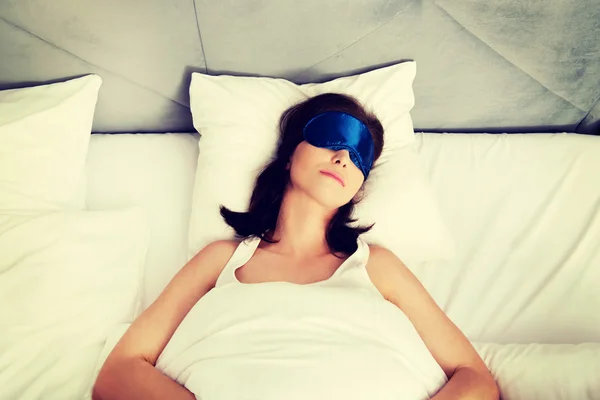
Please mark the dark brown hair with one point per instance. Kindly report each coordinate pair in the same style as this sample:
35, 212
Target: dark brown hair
261, 218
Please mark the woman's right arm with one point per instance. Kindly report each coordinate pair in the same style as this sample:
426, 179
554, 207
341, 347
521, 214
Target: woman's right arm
129, 372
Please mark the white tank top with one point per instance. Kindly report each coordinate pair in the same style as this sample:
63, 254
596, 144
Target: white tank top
352, 274
333, 339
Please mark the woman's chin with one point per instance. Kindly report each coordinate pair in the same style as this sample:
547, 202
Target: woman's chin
328, 198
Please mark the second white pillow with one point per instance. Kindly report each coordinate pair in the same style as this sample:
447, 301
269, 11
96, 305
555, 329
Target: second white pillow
69, 278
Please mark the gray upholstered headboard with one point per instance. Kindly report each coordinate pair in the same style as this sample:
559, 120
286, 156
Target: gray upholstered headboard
483, 65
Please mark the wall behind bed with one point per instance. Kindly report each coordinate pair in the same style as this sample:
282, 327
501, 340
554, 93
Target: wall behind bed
491, 66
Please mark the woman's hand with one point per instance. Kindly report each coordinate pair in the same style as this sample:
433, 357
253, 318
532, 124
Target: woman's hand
137, 379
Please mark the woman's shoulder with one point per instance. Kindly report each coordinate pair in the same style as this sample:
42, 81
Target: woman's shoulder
379, 253
385, 269
219, 250
222, 245
213, 257
383, 259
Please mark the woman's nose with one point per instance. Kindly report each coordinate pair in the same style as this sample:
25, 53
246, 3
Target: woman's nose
341, 157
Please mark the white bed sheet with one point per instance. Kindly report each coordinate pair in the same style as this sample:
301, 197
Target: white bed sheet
524, 210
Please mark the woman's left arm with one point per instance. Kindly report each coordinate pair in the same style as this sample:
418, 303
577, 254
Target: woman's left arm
469, 377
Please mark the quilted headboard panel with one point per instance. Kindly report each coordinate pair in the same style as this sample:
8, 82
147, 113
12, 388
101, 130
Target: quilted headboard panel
491, 66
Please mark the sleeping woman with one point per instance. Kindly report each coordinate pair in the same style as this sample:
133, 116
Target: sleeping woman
301, 307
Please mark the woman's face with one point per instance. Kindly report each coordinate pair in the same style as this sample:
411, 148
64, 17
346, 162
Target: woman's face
328, 176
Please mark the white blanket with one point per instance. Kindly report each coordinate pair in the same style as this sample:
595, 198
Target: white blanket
284, 341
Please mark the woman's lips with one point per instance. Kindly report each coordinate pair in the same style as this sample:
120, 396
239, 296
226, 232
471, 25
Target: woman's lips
334, 176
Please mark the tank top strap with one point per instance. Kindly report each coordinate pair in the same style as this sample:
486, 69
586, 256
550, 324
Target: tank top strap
240, 256
353, 273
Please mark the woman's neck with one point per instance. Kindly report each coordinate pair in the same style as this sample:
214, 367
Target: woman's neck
301, 226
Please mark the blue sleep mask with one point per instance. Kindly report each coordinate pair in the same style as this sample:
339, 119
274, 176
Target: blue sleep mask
337, 130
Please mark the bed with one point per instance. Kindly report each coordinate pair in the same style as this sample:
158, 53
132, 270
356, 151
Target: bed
507, 115
526, 242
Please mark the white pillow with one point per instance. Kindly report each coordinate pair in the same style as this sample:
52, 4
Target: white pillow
67, 279
44, 136
238, 118
544, 371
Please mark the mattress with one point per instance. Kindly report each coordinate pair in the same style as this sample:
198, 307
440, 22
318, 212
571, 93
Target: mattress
524, 211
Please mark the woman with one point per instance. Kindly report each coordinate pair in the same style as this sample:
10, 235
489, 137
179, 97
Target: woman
301, 244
